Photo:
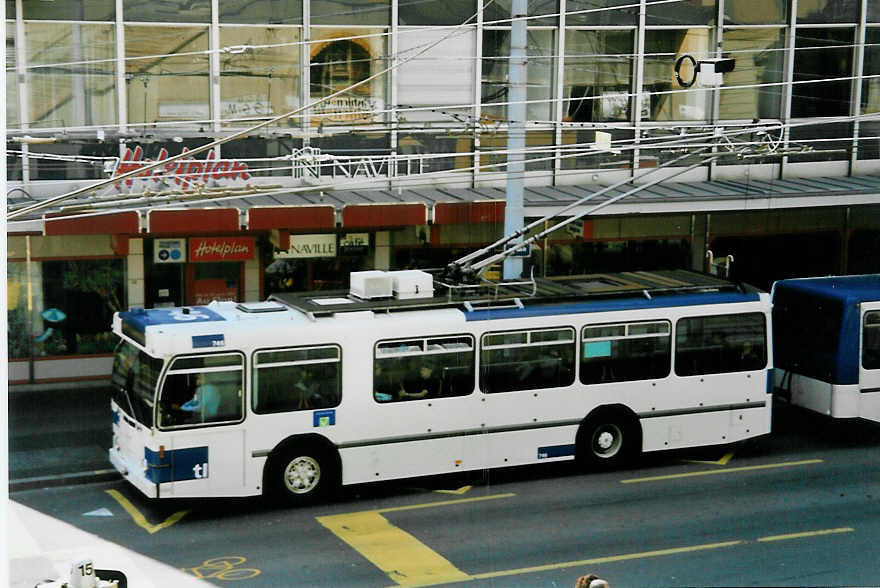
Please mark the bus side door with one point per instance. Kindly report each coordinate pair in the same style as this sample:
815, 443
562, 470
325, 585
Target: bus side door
869, 364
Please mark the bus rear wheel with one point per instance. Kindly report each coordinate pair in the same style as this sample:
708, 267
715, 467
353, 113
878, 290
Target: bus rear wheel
606, 441
302, 476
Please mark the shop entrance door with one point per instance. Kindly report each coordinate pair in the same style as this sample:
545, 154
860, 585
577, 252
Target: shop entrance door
213, 281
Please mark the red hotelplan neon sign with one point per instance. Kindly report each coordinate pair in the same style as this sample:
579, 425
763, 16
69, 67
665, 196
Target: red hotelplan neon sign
221, 248
183, 172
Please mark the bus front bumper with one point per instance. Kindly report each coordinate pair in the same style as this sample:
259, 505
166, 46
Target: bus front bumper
134, 473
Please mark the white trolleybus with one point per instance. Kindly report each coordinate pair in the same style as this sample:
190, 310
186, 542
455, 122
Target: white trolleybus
401, 376
827, 344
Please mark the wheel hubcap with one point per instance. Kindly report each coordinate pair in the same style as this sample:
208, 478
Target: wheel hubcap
302, 475
607, 440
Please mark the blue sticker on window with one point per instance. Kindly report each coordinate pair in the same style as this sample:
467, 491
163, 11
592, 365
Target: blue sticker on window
323, 418
209, 340
597, 349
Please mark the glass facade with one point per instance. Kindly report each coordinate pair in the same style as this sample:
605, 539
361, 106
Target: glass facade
173, 70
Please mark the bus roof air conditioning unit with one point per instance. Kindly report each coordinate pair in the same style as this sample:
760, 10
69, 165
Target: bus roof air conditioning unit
371, 284
412, 284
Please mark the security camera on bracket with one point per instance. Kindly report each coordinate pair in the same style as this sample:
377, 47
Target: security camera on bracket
706, 72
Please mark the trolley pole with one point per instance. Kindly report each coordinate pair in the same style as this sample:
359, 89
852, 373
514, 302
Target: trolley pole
516, 131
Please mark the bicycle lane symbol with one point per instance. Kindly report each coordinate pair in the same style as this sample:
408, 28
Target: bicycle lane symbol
223, 568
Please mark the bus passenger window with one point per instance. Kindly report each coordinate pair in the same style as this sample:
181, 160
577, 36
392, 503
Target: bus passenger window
202, 390
414, 369
304, 378
527, 360
720, 344
622, 353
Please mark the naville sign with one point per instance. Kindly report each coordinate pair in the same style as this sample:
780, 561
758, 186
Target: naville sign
221, 248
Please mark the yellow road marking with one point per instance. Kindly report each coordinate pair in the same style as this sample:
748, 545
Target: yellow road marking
806, 534
444, 502
606, 559
723, 461
405, 559
785, 464
140, 519
461, 490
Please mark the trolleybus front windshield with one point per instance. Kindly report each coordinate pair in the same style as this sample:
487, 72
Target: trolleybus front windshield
135, 375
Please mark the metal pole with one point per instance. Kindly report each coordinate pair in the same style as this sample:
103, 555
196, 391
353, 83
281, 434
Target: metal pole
516, 131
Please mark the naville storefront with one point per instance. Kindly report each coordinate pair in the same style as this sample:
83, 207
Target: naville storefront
407, 167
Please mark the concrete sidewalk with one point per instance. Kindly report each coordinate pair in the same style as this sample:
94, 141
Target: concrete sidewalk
43, 548
59, 434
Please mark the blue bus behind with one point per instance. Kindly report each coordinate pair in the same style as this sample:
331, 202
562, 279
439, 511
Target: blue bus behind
826, 334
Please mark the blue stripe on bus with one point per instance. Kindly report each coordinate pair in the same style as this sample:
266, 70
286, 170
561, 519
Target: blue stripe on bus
628, 303
140, 318
555, 451
176, 465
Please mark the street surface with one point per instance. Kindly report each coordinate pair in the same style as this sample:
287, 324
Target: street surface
797, 508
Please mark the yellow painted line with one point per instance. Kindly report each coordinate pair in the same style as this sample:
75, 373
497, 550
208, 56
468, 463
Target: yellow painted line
723, 461
140, 519
806, 534
405, 559
461, 490
607, 559
785, 464
444, 502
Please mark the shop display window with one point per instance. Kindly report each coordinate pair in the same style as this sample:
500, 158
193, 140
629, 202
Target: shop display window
822, 54
760, 60
167, 74
667, 100
214, 281
73, 303
598, 75
495, 87
71, 74
259, 74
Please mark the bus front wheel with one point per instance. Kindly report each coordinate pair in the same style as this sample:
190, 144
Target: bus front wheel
607, 440
302, 476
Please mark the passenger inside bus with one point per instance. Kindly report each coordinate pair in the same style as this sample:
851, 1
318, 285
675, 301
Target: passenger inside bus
204, 403
423, 384
383, 383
